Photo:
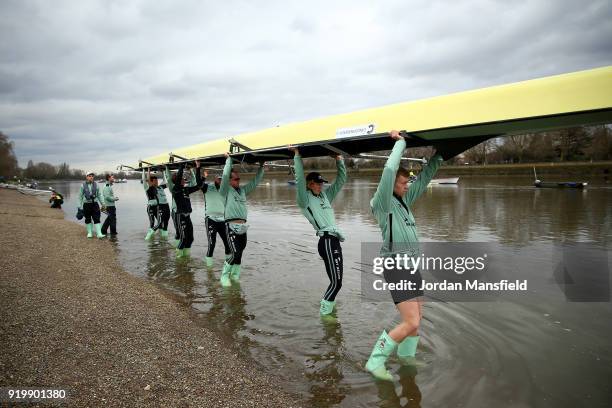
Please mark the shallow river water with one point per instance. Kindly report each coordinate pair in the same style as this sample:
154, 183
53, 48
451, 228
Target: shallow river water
540, 351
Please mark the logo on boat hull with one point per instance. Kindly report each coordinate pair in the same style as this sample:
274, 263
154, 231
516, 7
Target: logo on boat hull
356, 131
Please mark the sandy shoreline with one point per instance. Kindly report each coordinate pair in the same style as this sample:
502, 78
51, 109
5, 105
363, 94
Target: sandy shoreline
72, 317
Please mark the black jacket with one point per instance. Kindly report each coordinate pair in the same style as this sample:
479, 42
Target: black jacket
181, 193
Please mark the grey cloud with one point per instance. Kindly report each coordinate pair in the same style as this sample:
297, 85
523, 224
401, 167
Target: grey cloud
131, 79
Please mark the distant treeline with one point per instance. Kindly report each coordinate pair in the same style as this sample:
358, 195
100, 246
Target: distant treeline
37, 171
592, 143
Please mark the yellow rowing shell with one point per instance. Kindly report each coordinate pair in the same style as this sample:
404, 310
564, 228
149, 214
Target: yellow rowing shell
573, 99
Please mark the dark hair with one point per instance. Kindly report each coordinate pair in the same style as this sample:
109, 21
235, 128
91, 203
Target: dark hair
175, 178
108, 176
404, 172
152, 177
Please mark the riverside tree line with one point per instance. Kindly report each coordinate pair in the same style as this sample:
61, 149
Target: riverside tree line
37, 171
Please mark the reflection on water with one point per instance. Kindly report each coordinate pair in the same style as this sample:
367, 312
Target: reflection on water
541, 351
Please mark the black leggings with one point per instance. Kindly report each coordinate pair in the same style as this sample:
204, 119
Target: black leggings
154, 217
331, 252
185, 230
91, 210
176, 226
237, 243
212, 229
164, 215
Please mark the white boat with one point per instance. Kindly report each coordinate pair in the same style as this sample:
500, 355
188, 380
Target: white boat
33, 191
450, 180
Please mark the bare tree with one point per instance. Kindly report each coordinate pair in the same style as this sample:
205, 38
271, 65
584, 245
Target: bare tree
8, 161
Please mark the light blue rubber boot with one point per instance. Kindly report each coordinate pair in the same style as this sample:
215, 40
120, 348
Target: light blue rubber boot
89, 230
383, 348
225, 275
209, 261
99, 233
407, 350
327, 307
149, 234
180, 253
164, 234
186, 252
235, 273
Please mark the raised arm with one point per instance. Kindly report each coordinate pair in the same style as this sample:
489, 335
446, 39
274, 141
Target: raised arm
333, 190
252, 185
300, 180
423, 179
192, 179
176, 188
204, 183
145, 185
384, 193
198, 179
168, 177
224, 187
165, 183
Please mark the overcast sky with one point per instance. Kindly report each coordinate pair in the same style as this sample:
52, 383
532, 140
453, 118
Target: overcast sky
97, 83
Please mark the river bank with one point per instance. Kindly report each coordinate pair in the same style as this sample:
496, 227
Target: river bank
72, 318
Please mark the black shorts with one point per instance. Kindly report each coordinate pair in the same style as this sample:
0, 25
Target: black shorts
404, 276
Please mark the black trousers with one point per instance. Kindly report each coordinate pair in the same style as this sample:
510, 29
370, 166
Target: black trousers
164, 215
185, 230
176, 226
331, 252
91, 210
237, 244
212, 229
110, 221
154, 216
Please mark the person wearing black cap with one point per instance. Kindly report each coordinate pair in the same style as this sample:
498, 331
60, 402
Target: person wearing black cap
316, 207
180, 193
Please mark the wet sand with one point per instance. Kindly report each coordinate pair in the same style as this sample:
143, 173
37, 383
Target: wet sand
70, 316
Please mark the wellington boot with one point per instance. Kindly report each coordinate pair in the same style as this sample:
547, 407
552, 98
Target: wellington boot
383, 348
209, 261
99, 233
149, 234
235, 273
327, 307
225, 275
406, 350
